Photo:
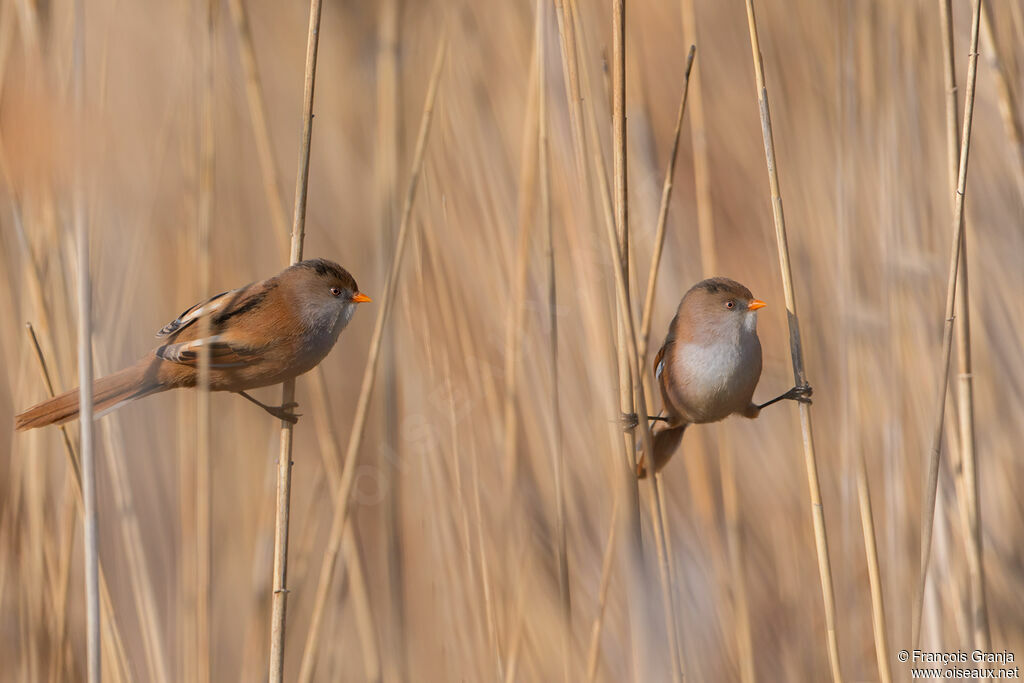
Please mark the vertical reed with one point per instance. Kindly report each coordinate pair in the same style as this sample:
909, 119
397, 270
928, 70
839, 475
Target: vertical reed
968, 491
666, 200
258, 116
555, 433
1009, 106
386, 165
931, 483
796, 350
204, 223
279, 601
84, 286
341, 501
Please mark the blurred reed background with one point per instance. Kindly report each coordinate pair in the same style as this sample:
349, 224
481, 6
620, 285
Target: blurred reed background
453, 572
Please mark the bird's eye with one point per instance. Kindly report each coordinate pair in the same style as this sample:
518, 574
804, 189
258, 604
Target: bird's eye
730, 304
336, 291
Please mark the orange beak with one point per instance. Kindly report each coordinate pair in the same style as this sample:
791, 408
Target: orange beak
361, 298
756, 304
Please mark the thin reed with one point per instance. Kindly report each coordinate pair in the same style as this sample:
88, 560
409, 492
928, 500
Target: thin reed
796, 351
934, 452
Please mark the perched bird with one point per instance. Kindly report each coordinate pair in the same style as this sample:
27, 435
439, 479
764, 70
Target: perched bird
709, 364
261, 334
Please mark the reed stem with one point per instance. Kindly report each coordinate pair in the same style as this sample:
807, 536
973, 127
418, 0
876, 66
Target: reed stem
86, 440
931, 483
341, 501
966, 488
555, 436
796, 351
279, 599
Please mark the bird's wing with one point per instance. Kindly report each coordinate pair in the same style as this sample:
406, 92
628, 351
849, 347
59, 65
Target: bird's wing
665, 378
659, 362
670, 340
223, 353
219, 308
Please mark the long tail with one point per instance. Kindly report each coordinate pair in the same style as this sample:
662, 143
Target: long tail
108, 392
666, 441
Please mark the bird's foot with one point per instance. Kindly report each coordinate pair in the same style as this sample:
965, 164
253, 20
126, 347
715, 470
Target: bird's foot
801, 393
630, 421
284, 412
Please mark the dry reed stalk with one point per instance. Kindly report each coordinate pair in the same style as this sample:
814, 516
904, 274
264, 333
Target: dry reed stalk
597, 319
340, 516
261, 136
721, 444
516, 636
568, 32
113, 642
362, 607
629, 515
365, 622
968, 488
874, 574
796, 349
1009, 109
656, 502
850, 438
456, 468
61, 656
257, 628
699, 143
631, 394
453, 317
280, 597
485, 572
187, 602
621, 212
386, 162
587, 257
514, 319
602, 595
737, 556
6, 29
204, 224
666, 199
88, 458
279, 600
258, 115
931, 483
122, 500
555, 436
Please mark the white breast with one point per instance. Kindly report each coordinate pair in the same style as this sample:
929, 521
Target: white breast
716, 379
708, 368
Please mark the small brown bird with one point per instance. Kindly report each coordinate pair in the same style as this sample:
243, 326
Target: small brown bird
261, 334
709, 364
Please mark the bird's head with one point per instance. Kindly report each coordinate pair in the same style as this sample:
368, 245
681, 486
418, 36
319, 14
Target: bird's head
719, 304
329, 292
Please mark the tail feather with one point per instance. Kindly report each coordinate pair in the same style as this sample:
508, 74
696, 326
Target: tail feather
108, 393
666, 441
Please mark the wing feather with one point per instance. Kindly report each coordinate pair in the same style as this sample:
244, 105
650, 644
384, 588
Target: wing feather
190, 315
223, 354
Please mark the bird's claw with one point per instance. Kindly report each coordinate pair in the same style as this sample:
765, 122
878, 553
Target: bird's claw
284, 412
802, 393
629, 421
